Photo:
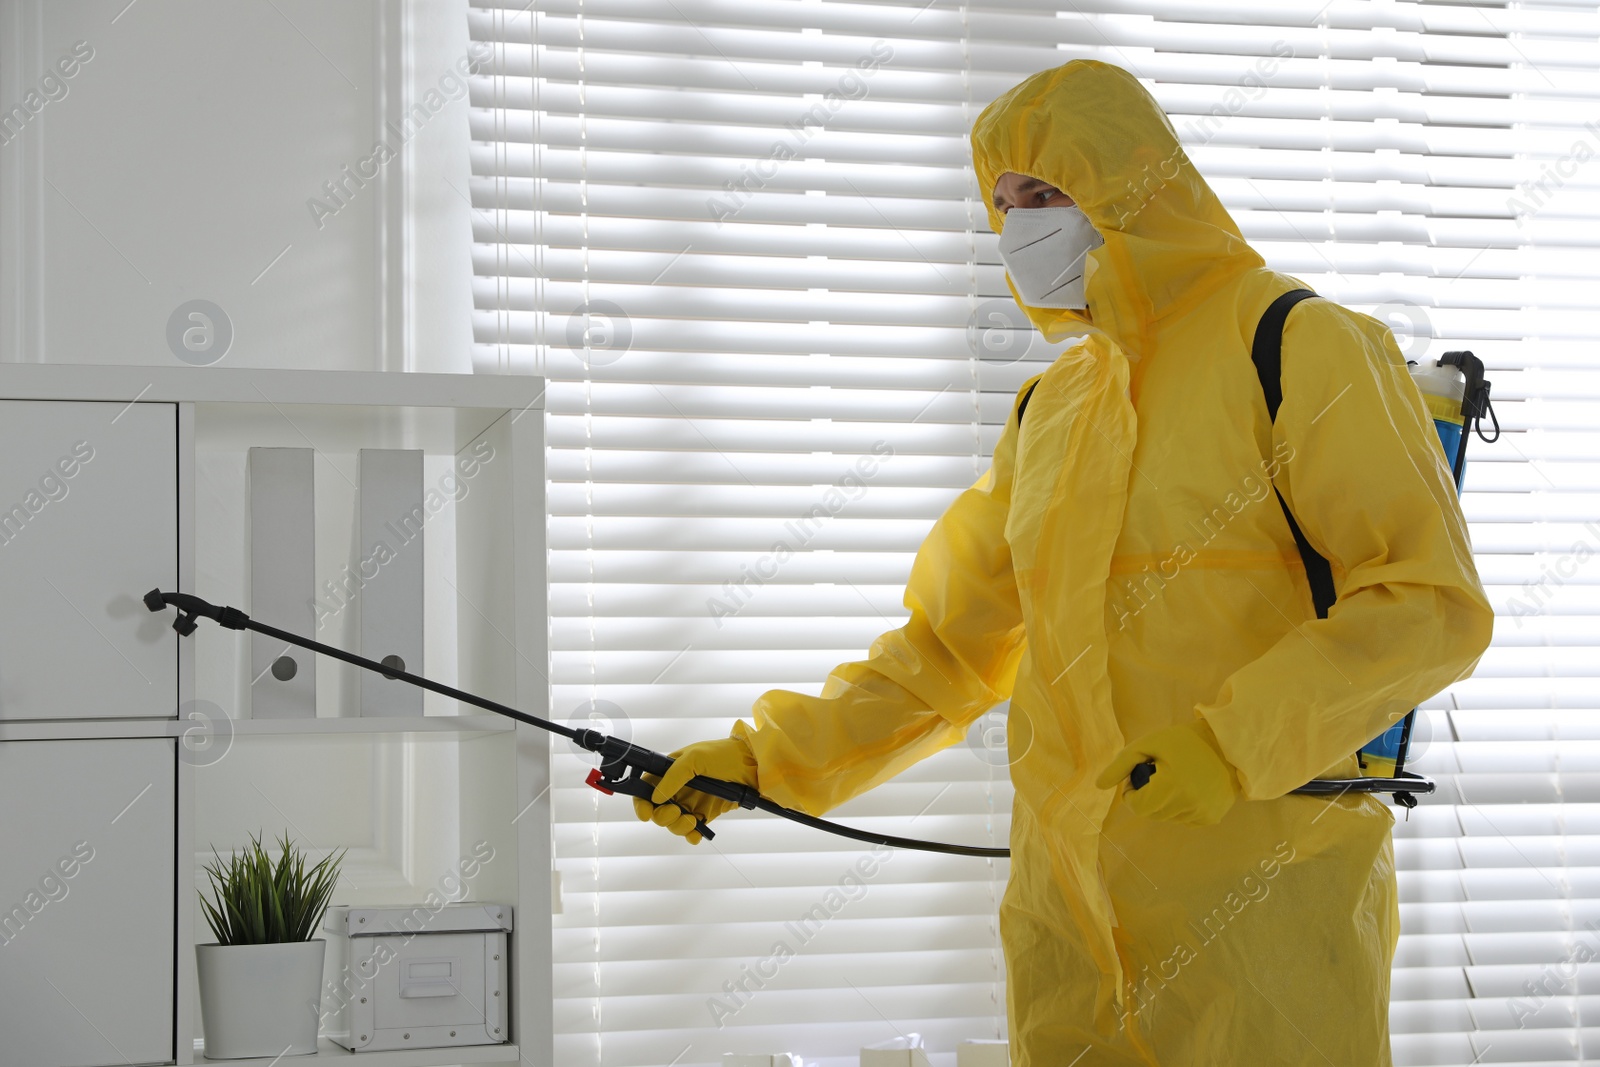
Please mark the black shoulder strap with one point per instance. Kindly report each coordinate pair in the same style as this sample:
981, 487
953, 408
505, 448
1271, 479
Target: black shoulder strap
1266, 351
1022, 407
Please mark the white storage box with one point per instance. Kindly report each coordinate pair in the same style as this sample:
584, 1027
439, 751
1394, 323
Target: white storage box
418, 977
983, 1053
903, 1051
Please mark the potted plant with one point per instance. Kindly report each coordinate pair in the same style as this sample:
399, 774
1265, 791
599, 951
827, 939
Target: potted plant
261, 982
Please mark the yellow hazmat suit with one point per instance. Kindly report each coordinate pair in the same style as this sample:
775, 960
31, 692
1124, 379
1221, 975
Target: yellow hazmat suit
1124, 567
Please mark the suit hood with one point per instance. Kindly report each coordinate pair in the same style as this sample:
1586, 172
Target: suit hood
1091, 130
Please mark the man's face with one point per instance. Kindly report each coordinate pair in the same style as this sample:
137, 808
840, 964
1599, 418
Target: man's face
1020, 191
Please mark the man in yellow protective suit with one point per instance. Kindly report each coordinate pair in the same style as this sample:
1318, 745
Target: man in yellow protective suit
1125, 575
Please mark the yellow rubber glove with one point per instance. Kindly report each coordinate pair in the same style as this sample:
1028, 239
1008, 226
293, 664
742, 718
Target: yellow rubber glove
727, 758
1192, 782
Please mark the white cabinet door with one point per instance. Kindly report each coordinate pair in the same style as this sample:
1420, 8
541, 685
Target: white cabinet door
88, 525
87, 855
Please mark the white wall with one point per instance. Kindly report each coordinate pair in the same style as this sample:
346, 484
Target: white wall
178, 162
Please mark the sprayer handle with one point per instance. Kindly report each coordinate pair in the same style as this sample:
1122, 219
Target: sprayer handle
624, 765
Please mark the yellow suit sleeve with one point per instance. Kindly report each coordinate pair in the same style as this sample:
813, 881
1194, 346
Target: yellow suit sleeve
1365, 477
920, 685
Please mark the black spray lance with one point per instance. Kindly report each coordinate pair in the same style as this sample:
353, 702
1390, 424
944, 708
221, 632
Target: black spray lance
622, 765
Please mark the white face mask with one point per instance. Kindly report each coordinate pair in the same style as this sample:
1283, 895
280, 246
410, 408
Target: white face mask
1044, 250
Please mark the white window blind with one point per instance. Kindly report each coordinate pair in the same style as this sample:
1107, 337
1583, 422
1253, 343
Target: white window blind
799, 346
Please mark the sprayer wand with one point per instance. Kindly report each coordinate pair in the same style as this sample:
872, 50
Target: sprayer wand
622, 765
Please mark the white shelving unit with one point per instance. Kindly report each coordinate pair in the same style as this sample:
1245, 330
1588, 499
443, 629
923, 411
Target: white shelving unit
129, 744
328, 1052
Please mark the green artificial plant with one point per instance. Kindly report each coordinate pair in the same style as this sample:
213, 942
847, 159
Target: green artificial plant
259, 903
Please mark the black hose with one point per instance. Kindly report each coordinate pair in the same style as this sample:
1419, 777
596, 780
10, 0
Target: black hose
879, 839
623, 764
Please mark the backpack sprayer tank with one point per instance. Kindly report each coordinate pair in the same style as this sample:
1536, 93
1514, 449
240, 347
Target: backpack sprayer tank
1457, 397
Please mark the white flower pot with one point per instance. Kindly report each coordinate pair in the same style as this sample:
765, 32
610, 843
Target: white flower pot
260, 1000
